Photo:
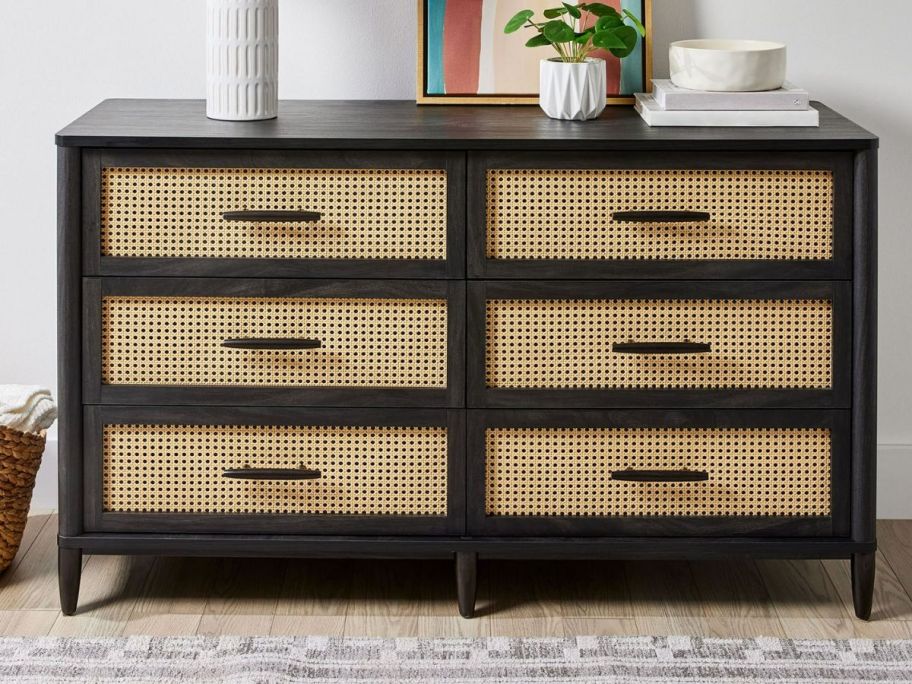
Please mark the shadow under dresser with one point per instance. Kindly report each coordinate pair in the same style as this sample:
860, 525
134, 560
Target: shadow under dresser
369, 329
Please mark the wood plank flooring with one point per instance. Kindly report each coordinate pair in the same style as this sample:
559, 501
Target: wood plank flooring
185, 596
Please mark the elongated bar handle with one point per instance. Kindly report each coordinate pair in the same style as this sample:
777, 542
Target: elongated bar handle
660, 476
661, 348
268, 216
273, 474
269, 343
662, 216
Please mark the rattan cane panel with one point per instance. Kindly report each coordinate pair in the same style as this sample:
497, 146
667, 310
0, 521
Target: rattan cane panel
367, 213
567, 471
756, 344
566, 214
364, 470
384, 343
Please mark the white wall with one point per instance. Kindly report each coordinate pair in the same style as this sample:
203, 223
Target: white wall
60, 57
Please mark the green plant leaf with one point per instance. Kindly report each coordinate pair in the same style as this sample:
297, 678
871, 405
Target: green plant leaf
608, 40
558, 32
600, 9
518, 20
608, 23
573, 11
629, 36
583, 38
554, 12
537, 41
636, 22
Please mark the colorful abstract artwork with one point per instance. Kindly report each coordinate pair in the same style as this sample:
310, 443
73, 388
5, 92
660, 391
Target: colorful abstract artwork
465, 56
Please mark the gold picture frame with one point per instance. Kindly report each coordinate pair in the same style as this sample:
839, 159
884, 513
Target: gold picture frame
424, 98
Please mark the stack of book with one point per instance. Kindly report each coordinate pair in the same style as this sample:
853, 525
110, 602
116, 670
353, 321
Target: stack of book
669, 105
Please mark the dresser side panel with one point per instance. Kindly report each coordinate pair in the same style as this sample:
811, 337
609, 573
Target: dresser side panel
69, 339
864, 361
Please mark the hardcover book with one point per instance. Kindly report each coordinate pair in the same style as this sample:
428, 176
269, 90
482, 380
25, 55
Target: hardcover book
671, 97
654, 115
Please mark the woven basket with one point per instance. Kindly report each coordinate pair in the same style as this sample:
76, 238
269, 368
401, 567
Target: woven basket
20, 456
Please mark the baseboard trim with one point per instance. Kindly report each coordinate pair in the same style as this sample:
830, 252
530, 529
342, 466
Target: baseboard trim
894, 473
45, 495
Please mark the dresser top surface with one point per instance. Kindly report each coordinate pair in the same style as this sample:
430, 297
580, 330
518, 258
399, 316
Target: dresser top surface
395, 124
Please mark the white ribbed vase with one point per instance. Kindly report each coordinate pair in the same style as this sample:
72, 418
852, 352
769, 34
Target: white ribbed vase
242, 59
573, 90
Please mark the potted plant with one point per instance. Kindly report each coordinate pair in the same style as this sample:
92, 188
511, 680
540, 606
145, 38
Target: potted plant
573, 84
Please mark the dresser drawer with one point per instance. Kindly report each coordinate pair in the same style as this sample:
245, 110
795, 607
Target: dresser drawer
667, 344
658, 473
275, 214
660, 216
275, 470
273, 342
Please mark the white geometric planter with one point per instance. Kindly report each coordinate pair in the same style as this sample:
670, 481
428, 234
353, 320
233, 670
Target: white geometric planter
242, 59
570, 90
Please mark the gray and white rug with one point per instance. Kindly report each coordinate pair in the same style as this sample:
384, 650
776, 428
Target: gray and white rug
410, 661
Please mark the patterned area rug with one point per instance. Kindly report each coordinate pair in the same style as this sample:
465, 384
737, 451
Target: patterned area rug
582, 659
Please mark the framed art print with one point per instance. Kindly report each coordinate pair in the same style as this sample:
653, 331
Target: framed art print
464, 56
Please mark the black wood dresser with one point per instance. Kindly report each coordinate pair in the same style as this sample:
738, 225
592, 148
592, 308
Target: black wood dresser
373, 329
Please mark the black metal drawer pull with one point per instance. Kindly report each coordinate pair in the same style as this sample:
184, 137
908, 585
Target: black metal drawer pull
662, 216
660, 476
267, 216
273, 474
661, 348
257, 344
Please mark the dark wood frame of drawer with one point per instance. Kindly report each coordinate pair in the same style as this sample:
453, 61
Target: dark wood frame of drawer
840, 267
96, 264
837, 525
94, 392
96, 520
480, 396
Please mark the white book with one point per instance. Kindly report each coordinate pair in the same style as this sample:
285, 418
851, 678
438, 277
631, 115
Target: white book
656, 116
787, 98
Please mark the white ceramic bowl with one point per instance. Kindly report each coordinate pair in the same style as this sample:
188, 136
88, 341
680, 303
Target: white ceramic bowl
727, 65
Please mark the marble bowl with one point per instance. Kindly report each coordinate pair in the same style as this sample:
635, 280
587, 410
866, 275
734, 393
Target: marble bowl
727, 65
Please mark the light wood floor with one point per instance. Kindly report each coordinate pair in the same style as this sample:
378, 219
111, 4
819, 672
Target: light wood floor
174, 596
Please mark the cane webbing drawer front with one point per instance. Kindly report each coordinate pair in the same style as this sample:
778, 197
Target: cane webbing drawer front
569, 343
567, 214
364, 342
569, 471
365, 213
395, 471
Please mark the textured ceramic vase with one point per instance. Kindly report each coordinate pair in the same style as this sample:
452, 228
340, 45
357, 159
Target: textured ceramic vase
242, 59
727, 65
575, 91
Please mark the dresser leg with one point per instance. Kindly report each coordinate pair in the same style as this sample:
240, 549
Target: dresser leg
863, 565
466, 582
69, 572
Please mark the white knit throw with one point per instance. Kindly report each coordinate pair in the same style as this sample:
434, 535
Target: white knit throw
27, 408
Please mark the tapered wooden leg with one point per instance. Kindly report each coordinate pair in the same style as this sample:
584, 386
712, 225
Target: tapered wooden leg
69, 572
863, 565
466, 582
